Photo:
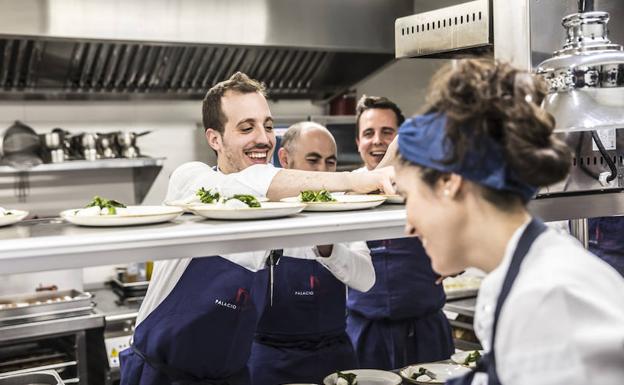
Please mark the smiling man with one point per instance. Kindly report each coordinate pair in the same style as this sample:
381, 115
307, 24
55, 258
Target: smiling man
308, 146
301, 336
197, 321
377, 122
399, 321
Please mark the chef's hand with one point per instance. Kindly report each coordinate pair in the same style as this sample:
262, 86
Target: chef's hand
325, 250
376, 180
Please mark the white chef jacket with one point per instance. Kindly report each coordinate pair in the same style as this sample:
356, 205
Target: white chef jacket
350, 263
563, 321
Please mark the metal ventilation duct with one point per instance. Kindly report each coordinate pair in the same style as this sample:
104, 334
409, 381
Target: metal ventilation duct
127, 49
460, 30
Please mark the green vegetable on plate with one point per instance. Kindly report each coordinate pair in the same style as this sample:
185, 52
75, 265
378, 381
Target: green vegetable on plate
316, 196
249, 200
350, 378
207, 196
103, 203
472, 357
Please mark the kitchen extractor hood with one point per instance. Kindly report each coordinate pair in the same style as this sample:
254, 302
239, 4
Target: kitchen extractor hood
127, 49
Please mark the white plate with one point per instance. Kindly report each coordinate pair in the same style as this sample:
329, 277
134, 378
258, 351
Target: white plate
395, 199
460, 357
367, 377
268, 210
186, 204
134, 215
342, 203
16, 216
443, 372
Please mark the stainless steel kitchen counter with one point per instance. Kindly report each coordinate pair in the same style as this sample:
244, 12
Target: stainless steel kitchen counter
106, 304
42, 245
51, 327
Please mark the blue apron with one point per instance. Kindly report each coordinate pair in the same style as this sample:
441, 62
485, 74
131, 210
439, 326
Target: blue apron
606, 240
400, 320
486, 366
301, 337
202, 331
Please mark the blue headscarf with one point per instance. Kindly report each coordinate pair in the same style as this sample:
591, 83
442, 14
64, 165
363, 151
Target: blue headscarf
423, 141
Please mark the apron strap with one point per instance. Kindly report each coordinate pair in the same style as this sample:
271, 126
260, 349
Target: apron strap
487, 363
530, 234
179, 377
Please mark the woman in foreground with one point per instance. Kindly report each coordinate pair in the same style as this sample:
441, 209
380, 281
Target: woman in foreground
549, 312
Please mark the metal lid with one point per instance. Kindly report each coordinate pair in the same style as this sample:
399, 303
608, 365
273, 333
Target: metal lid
585, 77
588, 58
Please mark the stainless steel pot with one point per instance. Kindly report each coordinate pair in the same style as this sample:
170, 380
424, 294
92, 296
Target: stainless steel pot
19, 138
20, 146
128, 139
52, 141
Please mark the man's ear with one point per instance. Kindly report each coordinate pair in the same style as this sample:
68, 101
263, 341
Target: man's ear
282, 154
214, 139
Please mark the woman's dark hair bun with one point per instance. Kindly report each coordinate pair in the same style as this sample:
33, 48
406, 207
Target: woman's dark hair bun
497, 100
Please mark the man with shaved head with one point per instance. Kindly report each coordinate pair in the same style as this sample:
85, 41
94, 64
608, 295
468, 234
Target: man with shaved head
301, 336
308, 146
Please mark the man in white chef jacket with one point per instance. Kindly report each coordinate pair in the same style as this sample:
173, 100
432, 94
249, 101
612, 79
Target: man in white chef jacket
197, 321
301, 336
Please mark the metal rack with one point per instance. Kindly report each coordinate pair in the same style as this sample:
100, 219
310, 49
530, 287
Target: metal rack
144, 172
79, 165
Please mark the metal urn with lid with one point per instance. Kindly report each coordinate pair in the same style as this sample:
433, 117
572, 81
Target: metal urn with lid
586, 77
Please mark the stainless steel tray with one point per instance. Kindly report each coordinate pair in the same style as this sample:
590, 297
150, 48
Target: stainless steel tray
138, 285
458, 294
39, 378
28, 307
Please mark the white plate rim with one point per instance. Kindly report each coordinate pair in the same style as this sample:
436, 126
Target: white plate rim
17, 216
174, 210
455, 356
206, 206
329, 380
404, 374
180, 202
249, 213
369, 199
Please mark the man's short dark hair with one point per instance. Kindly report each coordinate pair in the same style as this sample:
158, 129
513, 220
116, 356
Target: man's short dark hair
212, 113
379, 102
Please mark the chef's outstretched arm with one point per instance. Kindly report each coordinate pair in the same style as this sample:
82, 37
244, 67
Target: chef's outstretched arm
288, 182
275, 183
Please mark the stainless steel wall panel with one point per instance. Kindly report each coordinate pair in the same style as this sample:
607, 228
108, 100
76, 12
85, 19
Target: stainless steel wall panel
437, 33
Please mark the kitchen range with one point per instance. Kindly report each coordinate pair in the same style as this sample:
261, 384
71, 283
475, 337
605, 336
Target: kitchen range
102, 116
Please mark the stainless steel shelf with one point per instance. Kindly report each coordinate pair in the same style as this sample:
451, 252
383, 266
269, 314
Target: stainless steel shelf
463, 306
52, 244
78, 165
55, 326
141, 172
557, 208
